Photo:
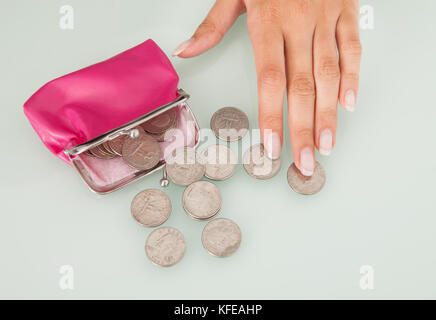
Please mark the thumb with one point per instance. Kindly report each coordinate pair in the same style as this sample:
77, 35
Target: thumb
210, 32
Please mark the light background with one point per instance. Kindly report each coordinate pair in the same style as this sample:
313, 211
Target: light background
377, 207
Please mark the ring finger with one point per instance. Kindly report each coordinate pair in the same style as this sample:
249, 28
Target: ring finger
327, 77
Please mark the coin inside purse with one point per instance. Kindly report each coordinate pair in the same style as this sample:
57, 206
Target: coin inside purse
102, 164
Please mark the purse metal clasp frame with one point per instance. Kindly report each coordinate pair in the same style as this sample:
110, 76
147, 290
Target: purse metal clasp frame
74, 153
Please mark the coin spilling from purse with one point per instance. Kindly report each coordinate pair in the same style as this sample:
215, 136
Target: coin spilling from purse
201, 199
139, 149
123, 118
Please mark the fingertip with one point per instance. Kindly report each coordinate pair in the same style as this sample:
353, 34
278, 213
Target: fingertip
350, 100
195, 46
272, 142
325, 144
178, 51
306, 162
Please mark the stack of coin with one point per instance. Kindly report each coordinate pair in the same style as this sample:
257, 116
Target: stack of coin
140, 150
202, 200
113, 148
220, 162
161, 126
102, 152
116, 145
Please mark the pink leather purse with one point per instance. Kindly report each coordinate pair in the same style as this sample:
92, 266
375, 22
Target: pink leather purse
81, 110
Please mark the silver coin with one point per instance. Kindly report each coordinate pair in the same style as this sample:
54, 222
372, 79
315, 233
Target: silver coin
165, 246
160, 123
116, 145
106, 147
258, 165
185, 166
142, 153
303, 184
89, 153
221, 162
202, 200
168, 134
101, 153
151, 208
221, 237
229, 124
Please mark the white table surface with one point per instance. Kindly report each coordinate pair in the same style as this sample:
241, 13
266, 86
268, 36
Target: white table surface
377, 207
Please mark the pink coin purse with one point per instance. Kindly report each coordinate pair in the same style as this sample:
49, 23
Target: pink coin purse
81, 110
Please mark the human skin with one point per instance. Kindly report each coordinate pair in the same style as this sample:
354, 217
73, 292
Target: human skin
309, 49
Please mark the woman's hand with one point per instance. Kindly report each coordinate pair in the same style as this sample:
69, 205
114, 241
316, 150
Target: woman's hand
296, 45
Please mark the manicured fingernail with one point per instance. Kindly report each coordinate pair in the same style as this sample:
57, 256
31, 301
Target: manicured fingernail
307, 162
181, 47
326, 142
272, 145
350, 100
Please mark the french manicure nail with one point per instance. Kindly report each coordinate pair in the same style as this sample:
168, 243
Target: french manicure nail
326, 142
272, 145
307, 162
350, 100
181, 47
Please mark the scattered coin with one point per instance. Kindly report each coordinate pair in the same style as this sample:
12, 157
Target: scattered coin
221, 237
229, 124
185, 166
221, 162
142, 153
165, 246
303, 184
202, 200
151, 208
258, 165
160, 123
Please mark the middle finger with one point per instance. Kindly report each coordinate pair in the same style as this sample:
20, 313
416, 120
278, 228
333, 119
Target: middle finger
301, 98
